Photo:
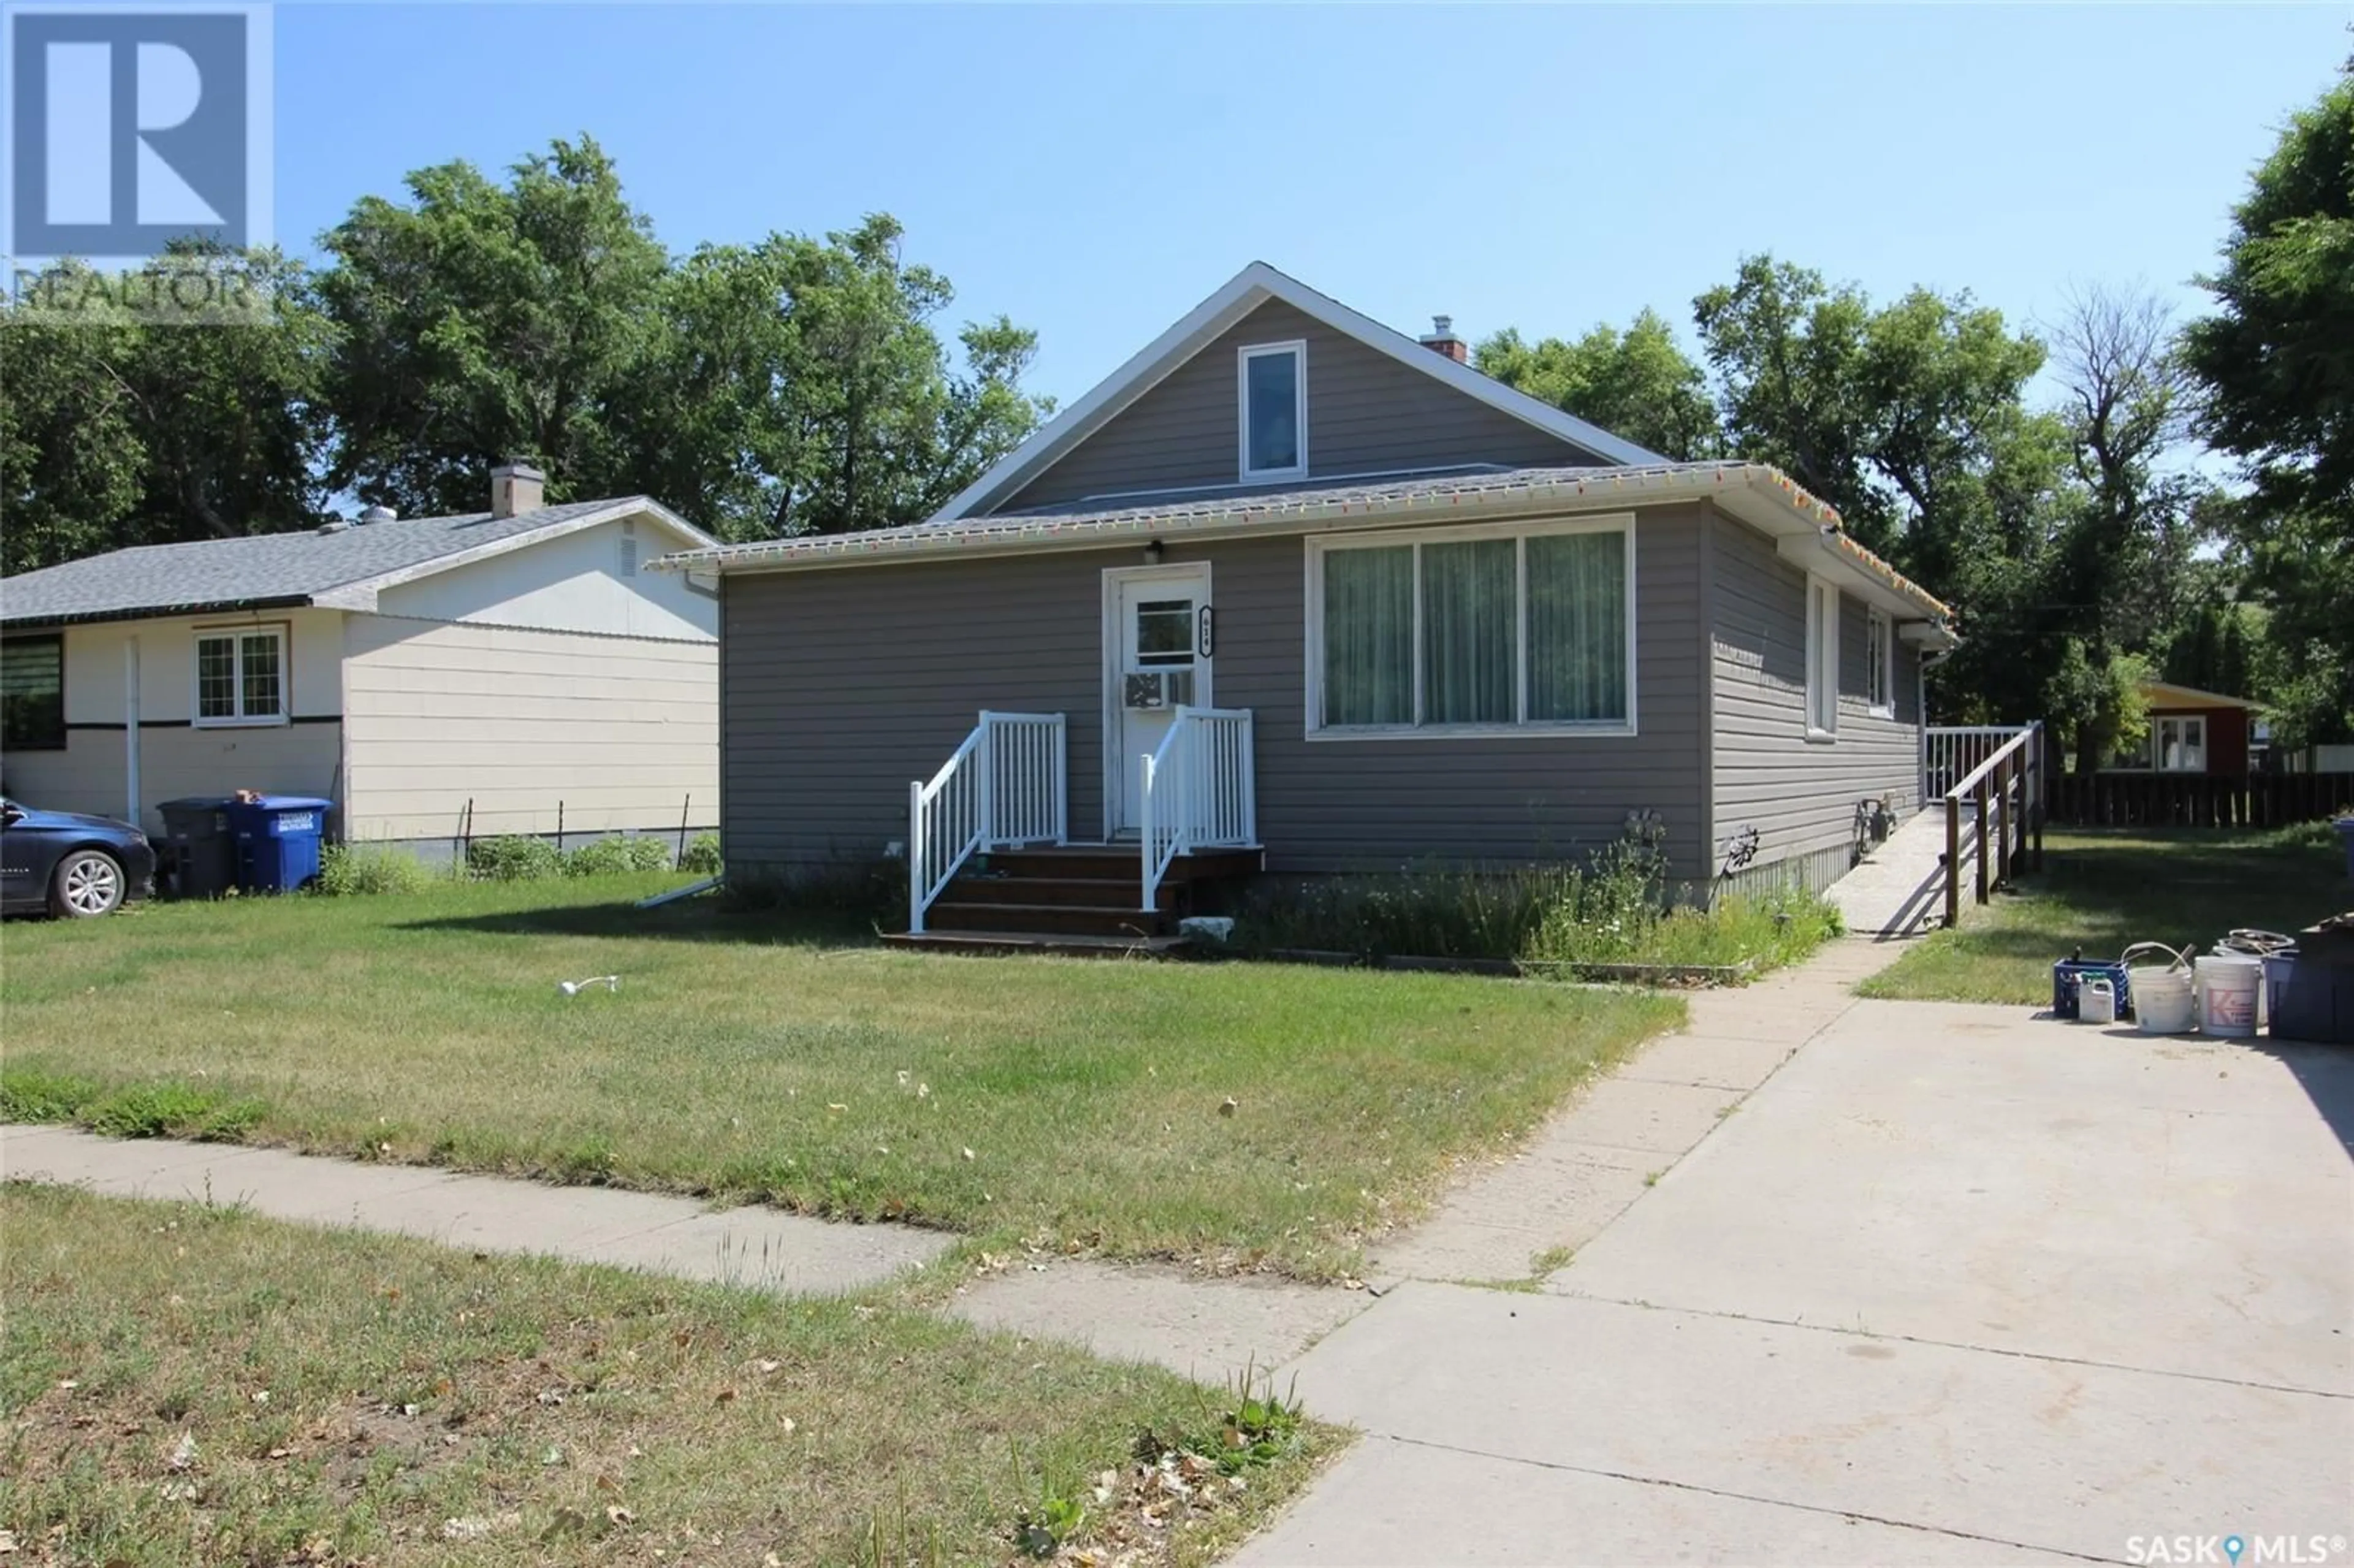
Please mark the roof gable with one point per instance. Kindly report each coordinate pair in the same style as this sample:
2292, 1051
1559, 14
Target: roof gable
345, 569
1258, 286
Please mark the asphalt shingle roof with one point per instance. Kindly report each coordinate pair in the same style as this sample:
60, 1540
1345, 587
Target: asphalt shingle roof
160, 580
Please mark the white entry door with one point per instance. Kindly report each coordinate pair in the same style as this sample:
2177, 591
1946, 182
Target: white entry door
1157, 661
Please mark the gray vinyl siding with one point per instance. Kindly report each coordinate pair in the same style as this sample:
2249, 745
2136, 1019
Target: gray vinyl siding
842, 685
1799, 795
1366, 414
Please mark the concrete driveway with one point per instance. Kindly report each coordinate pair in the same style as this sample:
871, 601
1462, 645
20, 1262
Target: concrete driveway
1953, 1286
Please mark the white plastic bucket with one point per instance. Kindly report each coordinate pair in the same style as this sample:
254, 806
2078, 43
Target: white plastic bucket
2162, 998
2229, 985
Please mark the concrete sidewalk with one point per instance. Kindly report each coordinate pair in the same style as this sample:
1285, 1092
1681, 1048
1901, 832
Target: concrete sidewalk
753, 1246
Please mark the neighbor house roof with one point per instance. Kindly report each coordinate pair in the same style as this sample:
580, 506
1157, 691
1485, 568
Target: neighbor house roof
1252, 287
339, 567
2167, 694
1807, 531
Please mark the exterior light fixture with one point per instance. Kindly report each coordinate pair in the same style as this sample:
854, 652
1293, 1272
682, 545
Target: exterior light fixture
1152, 552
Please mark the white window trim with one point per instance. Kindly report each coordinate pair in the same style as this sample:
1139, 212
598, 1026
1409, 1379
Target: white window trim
1878, 619
1298, 349
1319, 545
1822, 654
236, 636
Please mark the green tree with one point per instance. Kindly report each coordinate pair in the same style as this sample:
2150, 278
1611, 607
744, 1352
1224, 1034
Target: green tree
482, 322
120, 428
2276, 366
1638, 384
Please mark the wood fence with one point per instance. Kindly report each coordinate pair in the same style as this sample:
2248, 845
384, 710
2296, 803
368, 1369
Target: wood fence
2195, 799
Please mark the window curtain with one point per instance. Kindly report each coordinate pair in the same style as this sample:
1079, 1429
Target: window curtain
1577, 628
1468, 629
1369, 636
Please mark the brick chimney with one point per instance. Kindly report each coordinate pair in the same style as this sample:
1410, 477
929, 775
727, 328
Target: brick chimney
517, 487
1441, 337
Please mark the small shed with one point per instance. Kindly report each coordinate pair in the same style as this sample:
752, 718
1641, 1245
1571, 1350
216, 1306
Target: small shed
2192, 731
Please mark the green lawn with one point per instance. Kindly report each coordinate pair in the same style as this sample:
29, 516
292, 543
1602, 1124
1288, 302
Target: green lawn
1071, 1103
191, 1385
2101, 890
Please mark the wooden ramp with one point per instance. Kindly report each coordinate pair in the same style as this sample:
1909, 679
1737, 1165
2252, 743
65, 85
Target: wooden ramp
1899, 889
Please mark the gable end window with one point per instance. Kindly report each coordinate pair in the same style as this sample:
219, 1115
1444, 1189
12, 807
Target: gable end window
241, 677
1473, 631
32, 693
1271, 389
1822, 660
1879, 665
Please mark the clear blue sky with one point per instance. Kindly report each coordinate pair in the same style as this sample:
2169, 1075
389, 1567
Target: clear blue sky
1093, 173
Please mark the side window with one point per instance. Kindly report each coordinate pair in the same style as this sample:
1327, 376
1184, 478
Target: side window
32, 693
1880, 665
1822, 659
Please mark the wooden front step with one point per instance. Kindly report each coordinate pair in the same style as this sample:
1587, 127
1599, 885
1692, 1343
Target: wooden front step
1078, 893
1049, 919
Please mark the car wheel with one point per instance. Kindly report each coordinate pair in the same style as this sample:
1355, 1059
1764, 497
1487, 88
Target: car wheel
87, 883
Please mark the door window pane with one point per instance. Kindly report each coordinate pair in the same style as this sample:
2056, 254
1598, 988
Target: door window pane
1271, 385
1369, 636
217, 677
1577, 626
1164, 631
261, 677
1468, 621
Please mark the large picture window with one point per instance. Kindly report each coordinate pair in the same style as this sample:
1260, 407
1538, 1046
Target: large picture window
2176, 745
1473, 631
32, 693
241, 677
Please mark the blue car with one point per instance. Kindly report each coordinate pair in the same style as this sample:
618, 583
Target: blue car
74, 867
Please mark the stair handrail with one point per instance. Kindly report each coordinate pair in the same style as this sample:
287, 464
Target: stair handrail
1007, 784
1199, 790
2009, 786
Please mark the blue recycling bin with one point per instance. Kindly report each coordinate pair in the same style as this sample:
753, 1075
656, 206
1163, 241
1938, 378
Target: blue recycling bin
2345, 826
278, 839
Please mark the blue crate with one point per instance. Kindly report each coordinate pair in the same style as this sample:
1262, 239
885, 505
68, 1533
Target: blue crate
2069, 974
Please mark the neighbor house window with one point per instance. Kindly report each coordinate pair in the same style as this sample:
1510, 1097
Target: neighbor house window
2169, 745
1879, 665
241, 677
2181, 744
1474, 630
1822, 659
32, 693
1272, 387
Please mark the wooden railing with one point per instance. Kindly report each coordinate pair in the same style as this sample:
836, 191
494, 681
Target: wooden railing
2004, 791
2197, 799
1199, 791
1005, 785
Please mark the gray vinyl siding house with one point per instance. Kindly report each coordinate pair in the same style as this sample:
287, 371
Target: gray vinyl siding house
853, 665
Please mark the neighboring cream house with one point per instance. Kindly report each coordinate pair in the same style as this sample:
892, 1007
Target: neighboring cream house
507, 671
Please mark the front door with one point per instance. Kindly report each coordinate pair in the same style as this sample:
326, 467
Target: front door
1157, 662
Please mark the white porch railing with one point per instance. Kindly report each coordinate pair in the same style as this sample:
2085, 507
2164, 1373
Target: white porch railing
1200, 791
1951, 753
1005, 785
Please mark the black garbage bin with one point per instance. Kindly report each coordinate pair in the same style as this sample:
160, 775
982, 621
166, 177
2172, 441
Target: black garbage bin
202, 849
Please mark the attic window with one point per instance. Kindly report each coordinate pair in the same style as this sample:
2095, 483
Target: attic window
1272, 389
